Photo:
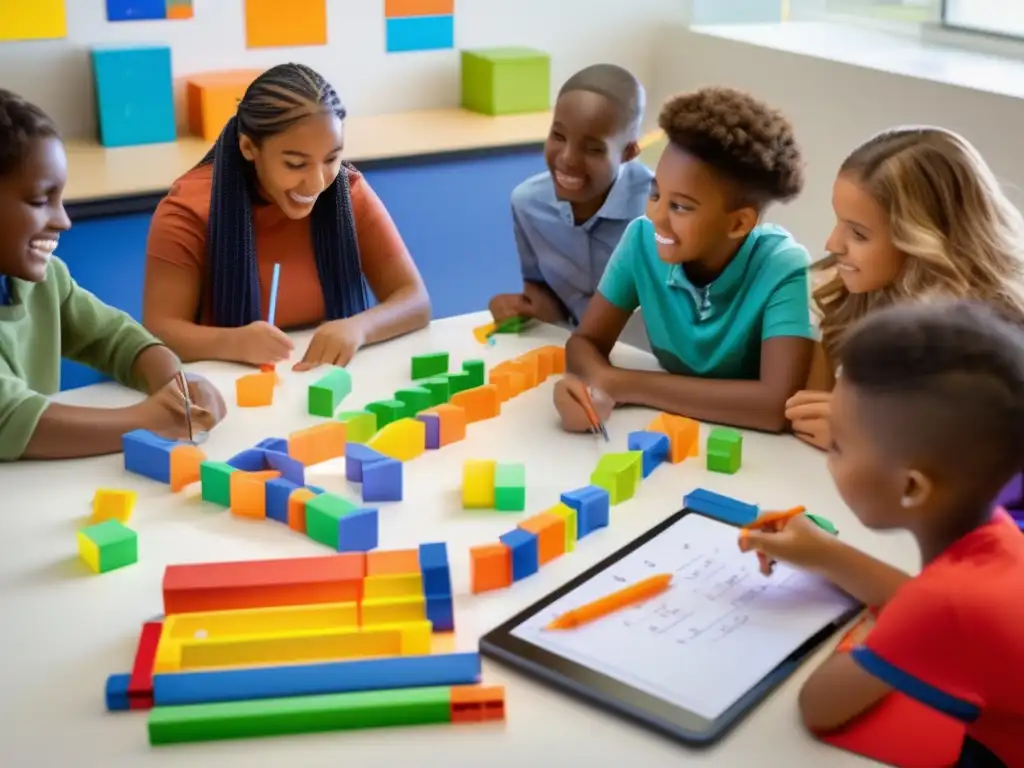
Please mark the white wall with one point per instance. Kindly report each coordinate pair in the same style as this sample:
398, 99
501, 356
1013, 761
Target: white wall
835, 106
56, 74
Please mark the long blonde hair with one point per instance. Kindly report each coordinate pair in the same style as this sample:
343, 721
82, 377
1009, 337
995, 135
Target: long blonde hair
962, 236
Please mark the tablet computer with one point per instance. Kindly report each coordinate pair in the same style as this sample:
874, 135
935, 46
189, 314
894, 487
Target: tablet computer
692, 661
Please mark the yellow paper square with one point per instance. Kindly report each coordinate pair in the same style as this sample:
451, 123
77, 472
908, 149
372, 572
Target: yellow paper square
32, 20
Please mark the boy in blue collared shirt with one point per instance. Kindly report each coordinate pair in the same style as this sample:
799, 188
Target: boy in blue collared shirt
568, 220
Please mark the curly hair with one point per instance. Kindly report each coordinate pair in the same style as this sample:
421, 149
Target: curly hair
739, 136
21, 122
963, 237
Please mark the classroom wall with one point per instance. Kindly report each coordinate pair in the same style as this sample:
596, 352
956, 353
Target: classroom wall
57, 75
836, 106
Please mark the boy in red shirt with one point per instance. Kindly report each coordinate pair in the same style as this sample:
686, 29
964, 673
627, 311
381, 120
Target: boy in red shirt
927, 426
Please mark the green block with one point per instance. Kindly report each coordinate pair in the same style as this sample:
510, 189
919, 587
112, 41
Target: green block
505, 81
823, 523
459, 382
416, 399
513, 325
323, 514
115, 544
724, 450
326, 394
387, 411
215, 477
440, 390
426, 366
510, 487
475, 368
725, 437
722, 461
619, 474
299, 714
360, 426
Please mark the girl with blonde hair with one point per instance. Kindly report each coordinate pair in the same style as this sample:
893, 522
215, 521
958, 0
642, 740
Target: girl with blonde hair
919, 216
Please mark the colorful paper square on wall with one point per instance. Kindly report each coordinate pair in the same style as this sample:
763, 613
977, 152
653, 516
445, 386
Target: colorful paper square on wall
32, 20
280, 23
143, 10
419, 25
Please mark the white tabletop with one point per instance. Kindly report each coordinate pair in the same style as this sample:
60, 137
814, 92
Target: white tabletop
63, 629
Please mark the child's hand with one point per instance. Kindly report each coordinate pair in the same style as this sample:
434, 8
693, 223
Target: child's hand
207, 397
261, 343
798, 541
570, 394
164, 414
808, 412
334, 343
505, 306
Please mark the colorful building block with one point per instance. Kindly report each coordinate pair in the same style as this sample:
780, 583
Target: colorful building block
360, 426
249, 460
392, 562
568, 516
382, 480
140, 684
619, 474
429, 365
134, 94
286, 466
479, 403
392, 610
403, 440
215, 477
725, 450
683, 435
416, 399
326, 393
523, 548
440, 390
434, 567
278, 498
357, 457
212, 99
453, 423
505, 81
592, 504
478, 483
392, 585
507, 383
550, 532
111, 504
458, 382
297, 508
278, 444
441, 612
117, 693
720, 507
249, 493
432, 430
510, 487
387, 411
108, 545
477, 703
157, 458
255, 390
476, 371
317, 444
490, 568
653, 445
338, 523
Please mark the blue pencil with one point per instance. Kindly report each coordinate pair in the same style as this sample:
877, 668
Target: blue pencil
273, 293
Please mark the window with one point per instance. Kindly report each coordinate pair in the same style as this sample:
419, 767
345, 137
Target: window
996, 17
899, 11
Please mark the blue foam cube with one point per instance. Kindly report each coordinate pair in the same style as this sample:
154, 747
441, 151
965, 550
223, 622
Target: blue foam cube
432, 422
592, 504
653, 445
147, 454
273, 444
279, 492
441, 612
358, 532
249, 460
358, 456
524, 550
290, 468
134, 94
382, 480
436, 573
720, 507
117, 693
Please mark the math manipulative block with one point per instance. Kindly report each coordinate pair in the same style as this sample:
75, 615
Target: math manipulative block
435, 569
569, 520
653, 445
476, 370
550, 532
416, 399
458, 382
338, 523
504, 81
249, 493
357, 458
317, 444
725, 450
249, 460
619, 474
279, 492
387, 411
724, 508
441, 612
360, 426
112, 504
255, 390
429, 365
478, 483
382, 480
440, 389
431, 430
683, 435
297, 508
215, 478
403, 440
134, 94
524, 552
510, 487
490, 567
212, 99
479, 403
327, 392
452, 423
592, 504
117, 692
107, 546
165, 461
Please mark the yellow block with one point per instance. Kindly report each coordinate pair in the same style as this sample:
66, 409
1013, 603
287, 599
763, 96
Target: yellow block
32, 20
483, 332
568, 515
478, 484
89, 551
409, 638
393, 610
393, 585
404, 439
108, 503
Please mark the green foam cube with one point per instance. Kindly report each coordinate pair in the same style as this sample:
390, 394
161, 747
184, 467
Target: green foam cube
506, 81
510, 488
433, 364
440, 389
619, 474
360, 426
416, 399
388, 411
459, 382
326, 394
108, 545
724, 450
475, 369
323, 518
215, 479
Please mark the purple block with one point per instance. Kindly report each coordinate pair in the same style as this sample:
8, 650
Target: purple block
357, 456
250, 460
289, 468
433, 424
382, 480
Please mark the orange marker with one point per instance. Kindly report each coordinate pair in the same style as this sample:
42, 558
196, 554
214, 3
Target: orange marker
772, 521
623, 598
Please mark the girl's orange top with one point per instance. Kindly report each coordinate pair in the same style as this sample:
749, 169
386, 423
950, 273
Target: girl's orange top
177, 236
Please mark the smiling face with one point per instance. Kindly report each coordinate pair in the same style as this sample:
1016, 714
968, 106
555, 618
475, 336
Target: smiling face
32, 215
866, 258
296, 165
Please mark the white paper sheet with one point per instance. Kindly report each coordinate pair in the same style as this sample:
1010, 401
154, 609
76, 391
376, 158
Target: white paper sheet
711, 637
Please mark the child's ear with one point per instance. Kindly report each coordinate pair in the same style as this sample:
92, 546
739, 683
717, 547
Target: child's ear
247, 147
743, 221
917, 490
631, 152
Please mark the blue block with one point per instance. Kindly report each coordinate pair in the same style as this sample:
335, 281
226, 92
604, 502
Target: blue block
357, 456
249, 460
117, 693
134, 94
434, 568
525, 557
420, 33
273, 444
357, 532
290, 468
315, 679
433, 424
592, 504
279, 491
148, 455
382, 480
655, 448
136, 10
720, 507
316, 489
441, 612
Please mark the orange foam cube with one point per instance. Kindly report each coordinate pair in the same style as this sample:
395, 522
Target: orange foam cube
317, 444
545, 362
557, 358
479, 403
212, 99
683, 435
396, 562
452, 426
255, 390
297, 508
185, 461
550, 532
527, 368
249, 492
477, 703
490, 567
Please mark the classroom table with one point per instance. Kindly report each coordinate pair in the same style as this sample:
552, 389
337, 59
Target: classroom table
65, 629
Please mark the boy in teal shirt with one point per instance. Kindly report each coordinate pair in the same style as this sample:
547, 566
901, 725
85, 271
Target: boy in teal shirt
44, 315
724, 297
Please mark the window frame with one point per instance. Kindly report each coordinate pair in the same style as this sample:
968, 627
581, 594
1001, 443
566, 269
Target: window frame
980, 34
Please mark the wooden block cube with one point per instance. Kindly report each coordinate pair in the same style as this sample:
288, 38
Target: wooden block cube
327, 392
478, 483
360, 426
109, 504
505, 81
212, 99
490, 567
107, 546
134, 94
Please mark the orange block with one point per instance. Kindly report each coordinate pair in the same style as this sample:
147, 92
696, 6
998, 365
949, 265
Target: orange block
396, 8
453, 423
479, 403
502, 381
317, 444
297, 508
395, 562
179, 11
271, 368
185, 461
511, 375
550, 532
527, 368
490, 567
683, 435
272, 23
212, 98
255, 390
249, 493
477, 703
557, 358
545, 362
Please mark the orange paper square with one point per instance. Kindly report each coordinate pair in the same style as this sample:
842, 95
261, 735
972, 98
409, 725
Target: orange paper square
275, 24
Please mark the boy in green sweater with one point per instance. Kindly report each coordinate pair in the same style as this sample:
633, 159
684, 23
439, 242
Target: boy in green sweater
45, 315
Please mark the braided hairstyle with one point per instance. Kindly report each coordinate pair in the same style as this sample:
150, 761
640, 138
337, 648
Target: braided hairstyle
21, 123
274, 102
